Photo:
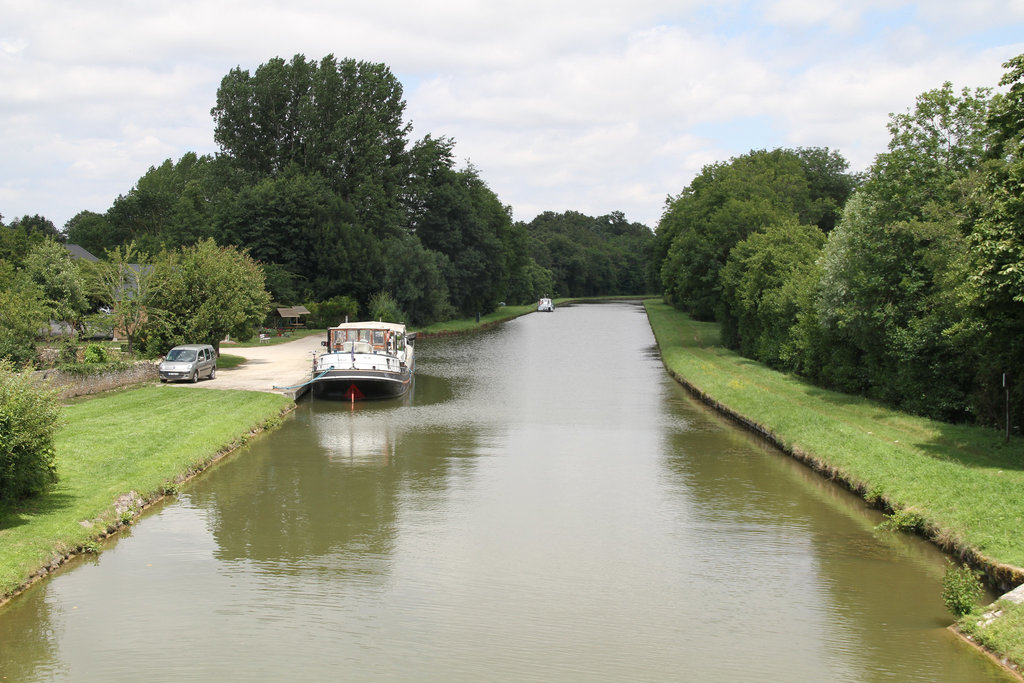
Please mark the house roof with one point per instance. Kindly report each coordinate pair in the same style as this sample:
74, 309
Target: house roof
80, 252
292, 311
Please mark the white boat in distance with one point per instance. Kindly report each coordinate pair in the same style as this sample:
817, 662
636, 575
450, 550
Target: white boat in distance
364, 360
545, 305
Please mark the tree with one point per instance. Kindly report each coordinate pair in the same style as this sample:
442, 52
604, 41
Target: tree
587, 256
52, 268
130, 285
727, 202
170, 206
91, 231
830, 184
884, 302
414, 276
384, 307
279, 219
37, 225
763, 282
28, 420
340, 119
18, 238
208, 292
466, 222
23, 315
995, 291
931, 150
530, 283
880, 322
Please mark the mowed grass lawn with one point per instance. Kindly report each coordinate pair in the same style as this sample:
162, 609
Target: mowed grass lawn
137, 440
964, 482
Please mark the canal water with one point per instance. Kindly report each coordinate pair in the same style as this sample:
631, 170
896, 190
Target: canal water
546, 506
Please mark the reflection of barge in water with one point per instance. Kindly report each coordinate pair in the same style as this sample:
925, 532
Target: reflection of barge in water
364, 360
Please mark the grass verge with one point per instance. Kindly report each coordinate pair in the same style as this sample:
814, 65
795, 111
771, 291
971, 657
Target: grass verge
272, 339
999, 630
960, 485
226, 361
962, 482
142, 440
464, 325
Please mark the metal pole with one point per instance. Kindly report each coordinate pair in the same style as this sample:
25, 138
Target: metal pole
1007, 388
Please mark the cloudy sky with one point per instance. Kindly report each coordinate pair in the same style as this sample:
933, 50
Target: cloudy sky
570, 105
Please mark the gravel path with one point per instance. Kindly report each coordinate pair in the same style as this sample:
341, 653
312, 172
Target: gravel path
281, 365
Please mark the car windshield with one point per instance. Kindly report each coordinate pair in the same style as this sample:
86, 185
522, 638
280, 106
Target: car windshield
181, 355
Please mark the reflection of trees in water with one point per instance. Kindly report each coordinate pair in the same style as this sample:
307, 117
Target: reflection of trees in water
28, 635
330, 483
764, 519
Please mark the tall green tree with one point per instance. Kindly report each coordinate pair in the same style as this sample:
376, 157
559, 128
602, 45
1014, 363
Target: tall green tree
465, 221
19, 237
209, 292
884, 301
36, 225
932, 149
995, 290
414, 275
52, 268
172, 205
727, 202
341, 119
280, 221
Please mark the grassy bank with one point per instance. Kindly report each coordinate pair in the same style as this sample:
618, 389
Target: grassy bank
463, 325
961, 484
958, 485
505, 313
142, 440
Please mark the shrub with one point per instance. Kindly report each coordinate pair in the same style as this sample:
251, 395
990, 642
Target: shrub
961, 589
331, 312
28, 420
908, 521
383, 306
94, 353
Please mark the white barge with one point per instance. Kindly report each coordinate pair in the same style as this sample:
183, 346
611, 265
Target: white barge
364, 360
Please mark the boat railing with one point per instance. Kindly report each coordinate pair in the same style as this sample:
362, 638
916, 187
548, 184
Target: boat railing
358, 361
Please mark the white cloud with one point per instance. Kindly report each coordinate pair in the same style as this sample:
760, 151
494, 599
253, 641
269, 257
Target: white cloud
576, 105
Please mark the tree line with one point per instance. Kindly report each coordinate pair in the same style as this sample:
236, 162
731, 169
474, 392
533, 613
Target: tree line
904, 284
317, 179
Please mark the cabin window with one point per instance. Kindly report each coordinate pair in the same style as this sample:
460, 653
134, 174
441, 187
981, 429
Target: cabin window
378, 337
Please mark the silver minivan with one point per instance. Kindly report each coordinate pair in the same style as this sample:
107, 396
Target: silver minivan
189, 362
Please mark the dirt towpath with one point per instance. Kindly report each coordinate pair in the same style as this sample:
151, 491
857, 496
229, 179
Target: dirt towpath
266, 367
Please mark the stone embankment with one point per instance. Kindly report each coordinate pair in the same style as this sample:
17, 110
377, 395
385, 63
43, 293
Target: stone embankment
68, 385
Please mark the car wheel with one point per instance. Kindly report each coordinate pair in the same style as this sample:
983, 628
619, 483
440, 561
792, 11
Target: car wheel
213, 372
163, 381
195, 377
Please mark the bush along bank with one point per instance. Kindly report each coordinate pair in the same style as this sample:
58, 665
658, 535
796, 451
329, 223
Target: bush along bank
957, 485
116, 454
